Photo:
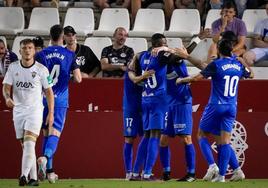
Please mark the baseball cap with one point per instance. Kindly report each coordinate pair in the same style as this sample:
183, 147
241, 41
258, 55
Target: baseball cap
69, 29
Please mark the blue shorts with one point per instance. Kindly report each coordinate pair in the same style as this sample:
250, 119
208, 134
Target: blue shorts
217, 118
179, 120
59, 118
153, 114
132, 123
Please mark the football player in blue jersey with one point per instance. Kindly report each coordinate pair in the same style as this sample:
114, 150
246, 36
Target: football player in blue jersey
154, 104
132, 118
220, 113
179, 116
60, 63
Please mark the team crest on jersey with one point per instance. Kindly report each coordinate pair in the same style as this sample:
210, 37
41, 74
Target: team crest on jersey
123, 54
34, 74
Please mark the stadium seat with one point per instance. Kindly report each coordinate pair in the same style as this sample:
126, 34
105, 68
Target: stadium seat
138, 44
174, 42
86, 22
11, 20
251, 18
97, 44
213, 14
148, 22
201, 50
184, 23
41, 20
16, 44
110, 19
260, 72
4, 39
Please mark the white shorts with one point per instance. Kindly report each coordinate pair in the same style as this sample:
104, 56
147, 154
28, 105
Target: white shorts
261, 53
27, 121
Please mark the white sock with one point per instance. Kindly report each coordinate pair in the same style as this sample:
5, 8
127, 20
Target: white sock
28, 157
33, 171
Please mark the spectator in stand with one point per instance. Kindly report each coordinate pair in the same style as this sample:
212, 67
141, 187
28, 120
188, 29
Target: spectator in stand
102, 4
260, 42
228, 22
6, 57
20, 3
241, 5
115, 58
85, 57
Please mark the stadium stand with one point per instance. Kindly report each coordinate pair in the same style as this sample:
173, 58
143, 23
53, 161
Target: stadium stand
251, 17
174, 42
41, 20
138, 44
86, 23
213, 14
184, 23
148, 22
61, 4
11, 20
97, 44
110, 19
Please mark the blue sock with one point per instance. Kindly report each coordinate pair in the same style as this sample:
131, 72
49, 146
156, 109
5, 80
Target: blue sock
190, 158
49, 163
128, 154
219, 151
141, 155
224, 158
234, 164
206, 150
44, 144
51, 146
164, 153
152, 153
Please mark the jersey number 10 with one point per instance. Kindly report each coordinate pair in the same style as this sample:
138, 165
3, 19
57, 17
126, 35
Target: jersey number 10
230, 85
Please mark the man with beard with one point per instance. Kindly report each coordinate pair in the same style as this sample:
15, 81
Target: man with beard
114, 58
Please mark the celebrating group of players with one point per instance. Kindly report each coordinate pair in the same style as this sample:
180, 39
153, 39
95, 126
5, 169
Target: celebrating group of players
157, 104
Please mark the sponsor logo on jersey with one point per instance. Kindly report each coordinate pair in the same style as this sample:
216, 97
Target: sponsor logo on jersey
24, 84
123, 55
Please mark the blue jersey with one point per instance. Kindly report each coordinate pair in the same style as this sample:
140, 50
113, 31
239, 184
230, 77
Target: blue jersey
225, 74
60, 63
156, 84
181, 93
132, 95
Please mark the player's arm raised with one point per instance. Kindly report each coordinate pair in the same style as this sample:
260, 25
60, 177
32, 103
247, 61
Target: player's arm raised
190, 79
132, 70
7, 95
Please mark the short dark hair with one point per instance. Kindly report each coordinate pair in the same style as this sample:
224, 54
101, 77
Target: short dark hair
55, 32
230, 35
229, 4
26, 41
38, 42
157, 39
225, 47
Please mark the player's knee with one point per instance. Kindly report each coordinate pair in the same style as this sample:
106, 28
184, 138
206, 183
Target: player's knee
129, 140
163, 140
186, 139
54, 132
29, 137
201, 134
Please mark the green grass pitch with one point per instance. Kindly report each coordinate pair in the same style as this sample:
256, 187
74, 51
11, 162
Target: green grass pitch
119, 183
